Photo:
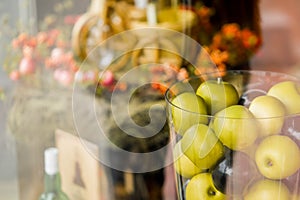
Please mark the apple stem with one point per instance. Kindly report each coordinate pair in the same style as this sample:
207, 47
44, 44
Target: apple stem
269, 163
211, 192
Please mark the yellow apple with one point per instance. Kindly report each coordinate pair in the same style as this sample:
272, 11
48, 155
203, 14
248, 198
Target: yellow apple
236, 127
288, 92
277, 157
268, 190
270, 113
188, 109
217, 95
201, 146
201, 187
182, 164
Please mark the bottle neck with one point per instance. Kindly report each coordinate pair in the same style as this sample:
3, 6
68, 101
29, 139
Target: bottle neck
52, 183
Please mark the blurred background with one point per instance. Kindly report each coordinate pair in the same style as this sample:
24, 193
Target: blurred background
281, 35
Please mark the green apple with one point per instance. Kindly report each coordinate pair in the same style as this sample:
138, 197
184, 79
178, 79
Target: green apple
217, 95
201, 187
182, 164
288, 92
236, 127
270, 113
201, 146
277, 157
268, 190
188, 109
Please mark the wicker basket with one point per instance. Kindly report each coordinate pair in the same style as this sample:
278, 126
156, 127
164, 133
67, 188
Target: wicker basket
119, 16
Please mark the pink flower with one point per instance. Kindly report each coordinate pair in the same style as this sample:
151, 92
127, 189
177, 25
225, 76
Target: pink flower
71, 19
52, 37
73, 66
15, 44
69, 57
50, 42
108, 78
48, 63
28, 51
14, 75
32, 42
41, 37
63, 76
27, 66
61, 43
57, 56
23, 38
54, 33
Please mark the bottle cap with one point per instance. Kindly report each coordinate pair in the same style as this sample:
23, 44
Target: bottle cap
151, 14
141, 4
51, 160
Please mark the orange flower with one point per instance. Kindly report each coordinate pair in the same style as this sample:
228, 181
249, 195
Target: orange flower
231, 31
41, 37
28, 51
32, 42
182, 74
122, 86
249, 39
204, 12
23, 37
219, 57
217, 41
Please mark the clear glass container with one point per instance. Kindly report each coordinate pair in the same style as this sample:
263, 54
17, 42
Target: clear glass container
231, 154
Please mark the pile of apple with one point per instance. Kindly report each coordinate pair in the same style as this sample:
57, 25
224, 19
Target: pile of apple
233, 151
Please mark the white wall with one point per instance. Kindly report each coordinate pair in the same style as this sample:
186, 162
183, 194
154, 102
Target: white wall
13, 11
281, 35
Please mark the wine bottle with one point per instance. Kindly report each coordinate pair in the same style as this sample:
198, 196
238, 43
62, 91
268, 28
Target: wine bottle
52, 182
152, 13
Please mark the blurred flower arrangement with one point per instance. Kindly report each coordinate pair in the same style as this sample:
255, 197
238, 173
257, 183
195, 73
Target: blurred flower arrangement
47, 56
232, 46
46, 59
229, 47
47, 51
30, 53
